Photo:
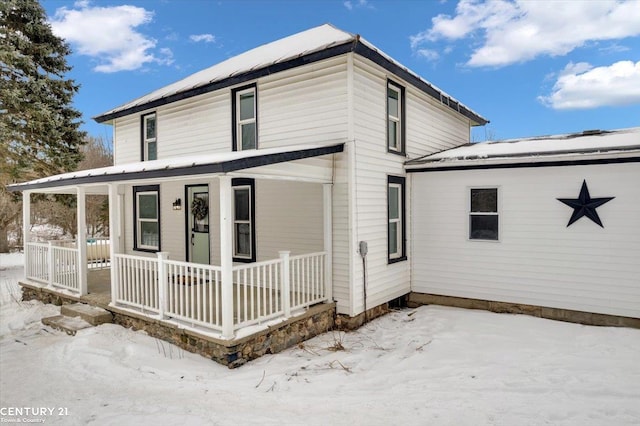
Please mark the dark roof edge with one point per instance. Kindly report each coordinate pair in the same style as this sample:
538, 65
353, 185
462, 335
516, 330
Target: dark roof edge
536, 154
376, 57
221, 167
233, 80
354, 45
558, 163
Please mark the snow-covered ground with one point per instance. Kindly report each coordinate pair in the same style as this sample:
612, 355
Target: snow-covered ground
426, 366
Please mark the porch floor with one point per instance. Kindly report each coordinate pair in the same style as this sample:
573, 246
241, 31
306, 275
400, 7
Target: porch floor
99, 287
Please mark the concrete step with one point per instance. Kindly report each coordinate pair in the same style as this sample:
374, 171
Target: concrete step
91, 314
67, 324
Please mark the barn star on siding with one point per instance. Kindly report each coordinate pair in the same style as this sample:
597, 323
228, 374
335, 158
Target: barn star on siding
584, 205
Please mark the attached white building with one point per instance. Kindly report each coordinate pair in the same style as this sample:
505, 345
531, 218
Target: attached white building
551, 222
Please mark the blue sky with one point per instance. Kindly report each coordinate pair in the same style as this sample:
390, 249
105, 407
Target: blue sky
530, 67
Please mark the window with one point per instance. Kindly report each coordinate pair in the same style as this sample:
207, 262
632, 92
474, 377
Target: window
244, 240
146, 210
245, 132
149, 137
396, 219
483, 214
395, 118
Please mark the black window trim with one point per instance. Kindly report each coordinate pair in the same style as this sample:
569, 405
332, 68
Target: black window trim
234, 113
472, 213
398, 180
252, 195
403, 117
143, 135
145, 188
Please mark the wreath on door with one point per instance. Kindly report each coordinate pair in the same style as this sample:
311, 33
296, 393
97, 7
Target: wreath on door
199, 208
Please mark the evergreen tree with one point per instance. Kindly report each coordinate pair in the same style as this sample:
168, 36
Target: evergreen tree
39, 128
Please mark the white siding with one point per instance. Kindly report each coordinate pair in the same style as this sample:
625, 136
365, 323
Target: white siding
341, 227
288, 217
538, 260
430, 127
373, 165
127, 139
304, 104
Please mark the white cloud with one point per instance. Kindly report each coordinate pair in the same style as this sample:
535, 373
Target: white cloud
428, 54
357, 4
581, 86
520, 30
108, 34
207, 38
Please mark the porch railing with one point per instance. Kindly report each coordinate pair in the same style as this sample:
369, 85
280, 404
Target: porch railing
53, 265
136, 282
192, 293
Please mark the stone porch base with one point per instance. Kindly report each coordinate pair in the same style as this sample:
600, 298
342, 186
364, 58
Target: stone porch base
587, 318
275, 338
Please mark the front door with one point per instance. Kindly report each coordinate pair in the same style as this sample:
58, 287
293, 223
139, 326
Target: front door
198, 224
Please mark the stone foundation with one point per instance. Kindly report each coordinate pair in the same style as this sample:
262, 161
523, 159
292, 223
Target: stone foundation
587, 318
45, 295
347, 323
232, 353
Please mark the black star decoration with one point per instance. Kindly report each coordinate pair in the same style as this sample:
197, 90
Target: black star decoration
584, 205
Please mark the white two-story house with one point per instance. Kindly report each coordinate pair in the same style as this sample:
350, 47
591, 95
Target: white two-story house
287, 157
289, 177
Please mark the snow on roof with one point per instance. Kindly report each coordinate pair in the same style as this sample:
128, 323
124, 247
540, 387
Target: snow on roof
309, 41
306, 42
167, 166
587, 142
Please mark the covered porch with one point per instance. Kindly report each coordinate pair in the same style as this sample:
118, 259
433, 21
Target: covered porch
225, 298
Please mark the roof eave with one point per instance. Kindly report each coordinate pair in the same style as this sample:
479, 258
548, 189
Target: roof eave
355, 45
232, 80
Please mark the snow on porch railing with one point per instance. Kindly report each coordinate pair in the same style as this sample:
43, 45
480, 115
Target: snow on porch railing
53, 265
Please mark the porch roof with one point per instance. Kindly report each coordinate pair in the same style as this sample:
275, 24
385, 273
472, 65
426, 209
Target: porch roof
218, 163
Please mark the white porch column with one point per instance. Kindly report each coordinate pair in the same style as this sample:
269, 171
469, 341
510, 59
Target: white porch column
81, 239
162, 283
226, 255
114, 238
286, 283
26, 230
328, 238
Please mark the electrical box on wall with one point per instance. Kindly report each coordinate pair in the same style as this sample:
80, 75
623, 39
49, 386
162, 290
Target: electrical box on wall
363, 248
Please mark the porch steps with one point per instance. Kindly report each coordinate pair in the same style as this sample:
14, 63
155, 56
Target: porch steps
78, 316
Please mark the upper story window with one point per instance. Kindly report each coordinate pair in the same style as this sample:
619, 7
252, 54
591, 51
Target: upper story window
245, 123
149, 137
396, 219
395, 118
483, 214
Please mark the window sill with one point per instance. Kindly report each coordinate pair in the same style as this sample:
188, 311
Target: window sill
399, 153
145, 250
396, 260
